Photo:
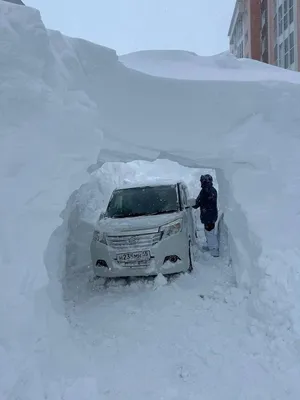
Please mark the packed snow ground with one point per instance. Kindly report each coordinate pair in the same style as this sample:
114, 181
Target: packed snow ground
62, 101
183, 339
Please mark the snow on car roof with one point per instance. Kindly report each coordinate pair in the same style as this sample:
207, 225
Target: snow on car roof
156, 182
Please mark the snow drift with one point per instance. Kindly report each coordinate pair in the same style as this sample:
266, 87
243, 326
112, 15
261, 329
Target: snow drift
65, 100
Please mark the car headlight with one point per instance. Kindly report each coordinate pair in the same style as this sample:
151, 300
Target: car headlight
99, 237
171, 229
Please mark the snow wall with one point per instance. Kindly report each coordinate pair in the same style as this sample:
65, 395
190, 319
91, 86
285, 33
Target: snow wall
63, 100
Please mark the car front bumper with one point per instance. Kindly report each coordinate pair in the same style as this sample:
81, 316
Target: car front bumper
175, 245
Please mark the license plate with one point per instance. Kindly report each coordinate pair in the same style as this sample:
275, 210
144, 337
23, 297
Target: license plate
136, 257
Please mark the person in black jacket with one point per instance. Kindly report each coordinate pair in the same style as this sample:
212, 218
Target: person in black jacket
207, 200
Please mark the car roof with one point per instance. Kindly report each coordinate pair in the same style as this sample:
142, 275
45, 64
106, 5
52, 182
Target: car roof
151, 183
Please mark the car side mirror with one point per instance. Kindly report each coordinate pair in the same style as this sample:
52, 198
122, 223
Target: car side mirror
191, 202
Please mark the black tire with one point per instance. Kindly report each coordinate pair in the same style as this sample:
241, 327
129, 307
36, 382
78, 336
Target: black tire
191, 267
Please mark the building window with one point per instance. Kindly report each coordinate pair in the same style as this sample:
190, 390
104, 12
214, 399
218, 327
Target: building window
291, 15
291, 11
280, 15
292, 40
280, 55
286, 45
292, 56
285, 15
292, 47
264, 18
238, 30
275, 54
286, 60
240, 50
285, 21
275, 26
246, 37
287, 53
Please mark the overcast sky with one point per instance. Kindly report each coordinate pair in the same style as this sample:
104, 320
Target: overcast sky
129, 25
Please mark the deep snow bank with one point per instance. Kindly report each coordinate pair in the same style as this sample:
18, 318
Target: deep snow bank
245, 125
185, 65
43, 158
64, 99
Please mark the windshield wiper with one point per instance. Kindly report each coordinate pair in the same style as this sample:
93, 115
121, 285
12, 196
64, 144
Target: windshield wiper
163, 212
142, 214
127, 215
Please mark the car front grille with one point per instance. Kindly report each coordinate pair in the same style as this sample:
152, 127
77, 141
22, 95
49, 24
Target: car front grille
143, 241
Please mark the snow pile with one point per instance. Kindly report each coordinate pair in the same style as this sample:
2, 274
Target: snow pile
62, 100
185, 65
44, 155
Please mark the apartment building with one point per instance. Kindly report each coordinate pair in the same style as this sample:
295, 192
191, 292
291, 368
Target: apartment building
284, 33
278, 24
244, 30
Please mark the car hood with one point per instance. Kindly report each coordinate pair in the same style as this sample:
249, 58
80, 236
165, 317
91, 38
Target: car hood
145, 222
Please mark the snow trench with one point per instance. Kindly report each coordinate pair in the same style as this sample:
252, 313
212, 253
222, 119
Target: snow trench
69, 244
209, 123
63, 99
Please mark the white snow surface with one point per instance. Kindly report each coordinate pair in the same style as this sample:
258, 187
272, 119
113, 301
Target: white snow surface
177, 64
68, 106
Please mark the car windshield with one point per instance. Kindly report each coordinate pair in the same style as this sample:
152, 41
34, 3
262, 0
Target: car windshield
147, 200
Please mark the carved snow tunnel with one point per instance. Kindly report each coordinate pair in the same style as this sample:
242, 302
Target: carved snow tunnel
67, 257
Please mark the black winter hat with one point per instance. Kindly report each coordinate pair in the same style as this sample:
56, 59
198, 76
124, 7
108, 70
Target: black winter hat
206, 179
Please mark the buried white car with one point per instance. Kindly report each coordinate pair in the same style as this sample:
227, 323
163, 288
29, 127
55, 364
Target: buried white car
146, 230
